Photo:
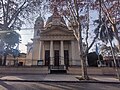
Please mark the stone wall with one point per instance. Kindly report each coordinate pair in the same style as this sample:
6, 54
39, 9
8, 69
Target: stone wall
94, 70
44, 70
24, 70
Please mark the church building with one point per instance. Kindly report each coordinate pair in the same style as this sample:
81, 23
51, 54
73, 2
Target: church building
54, 43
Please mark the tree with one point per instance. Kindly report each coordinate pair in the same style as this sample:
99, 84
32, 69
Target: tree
106, 50
109, 11
11, 39
13, 12
1, 50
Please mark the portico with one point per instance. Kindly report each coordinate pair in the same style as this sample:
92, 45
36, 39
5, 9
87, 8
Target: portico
54, 52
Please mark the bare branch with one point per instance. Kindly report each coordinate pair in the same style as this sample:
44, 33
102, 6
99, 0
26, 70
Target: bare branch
105, 10
7, 10
3, 12
14, 16
75, 33
87, 26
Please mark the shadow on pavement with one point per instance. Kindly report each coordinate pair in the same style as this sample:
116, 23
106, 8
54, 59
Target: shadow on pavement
5, 86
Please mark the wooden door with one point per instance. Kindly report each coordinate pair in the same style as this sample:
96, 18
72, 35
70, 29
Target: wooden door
47, 57
66, 57
56, 57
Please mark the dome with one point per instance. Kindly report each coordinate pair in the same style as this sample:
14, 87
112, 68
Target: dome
50, 19
39, 22
55, 16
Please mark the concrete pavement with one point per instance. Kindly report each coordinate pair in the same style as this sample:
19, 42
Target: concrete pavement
105, 78
41, 77
56, 77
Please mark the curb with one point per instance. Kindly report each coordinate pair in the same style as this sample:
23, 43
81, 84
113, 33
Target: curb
82, 81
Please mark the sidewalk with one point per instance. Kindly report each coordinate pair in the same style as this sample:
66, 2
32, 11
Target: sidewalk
41, 77
105, 78
56, 78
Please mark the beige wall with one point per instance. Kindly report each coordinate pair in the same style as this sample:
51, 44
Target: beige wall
72, 70
35, 55
10, 60
75, 53
74, 58
47, 45
29, 59
67, 46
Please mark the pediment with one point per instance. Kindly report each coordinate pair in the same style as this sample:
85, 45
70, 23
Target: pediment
57, 31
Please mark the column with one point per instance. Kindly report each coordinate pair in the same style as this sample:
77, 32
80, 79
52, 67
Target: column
62, 53
33, 62
32, 53
40, 51
43, 52
51, 52
73, 52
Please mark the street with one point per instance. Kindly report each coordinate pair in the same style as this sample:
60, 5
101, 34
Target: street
57, 86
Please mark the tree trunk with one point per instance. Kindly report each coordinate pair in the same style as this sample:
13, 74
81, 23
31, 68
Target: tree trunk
4, 61
113, 54
0, 60
84, 68
83, 56
115, 62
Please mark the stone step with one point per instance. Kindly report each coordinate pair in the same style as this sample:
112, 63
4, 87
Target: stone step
58, 71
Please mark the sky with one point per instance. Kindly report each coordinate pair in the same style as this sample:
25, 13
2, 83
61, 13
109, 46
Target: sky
26, 36
27, 33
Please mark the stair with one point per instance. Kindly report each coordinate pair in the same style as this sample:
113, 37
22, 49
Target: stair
58, 69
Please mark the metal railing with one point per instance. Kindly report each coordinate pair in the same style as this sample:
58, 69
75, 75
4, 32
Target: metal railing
60, 67
35, 62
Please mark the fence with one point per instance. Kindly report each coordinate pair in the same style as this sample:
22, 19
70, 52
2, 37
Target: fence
30, 62
22, 62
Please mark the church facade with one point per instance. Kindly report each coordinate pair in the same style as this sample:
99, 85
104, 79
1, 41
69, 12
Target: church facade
54, 43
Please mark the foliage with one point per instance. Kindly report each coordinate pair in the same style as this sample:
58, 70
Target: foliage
11, 38
104, 31
13, 12
12, 16
106, 50
1, 47
110, 18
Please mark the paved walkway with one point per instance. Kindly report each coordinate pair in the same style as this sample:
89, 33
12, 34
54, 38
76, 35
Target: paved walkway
105, 78
54, 77
42, 77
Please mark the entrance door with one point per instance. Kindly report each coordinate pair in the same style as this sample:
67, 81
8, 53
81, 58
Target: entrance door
47, 57
56, 57
66, 57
